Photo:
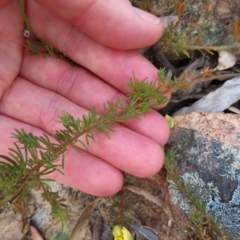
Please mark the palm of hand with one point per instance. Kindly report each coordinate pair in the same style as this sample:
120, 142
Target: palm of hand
35, 90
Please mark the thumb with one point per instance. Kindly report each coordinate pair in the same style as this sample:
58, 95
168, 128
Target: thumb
112, 23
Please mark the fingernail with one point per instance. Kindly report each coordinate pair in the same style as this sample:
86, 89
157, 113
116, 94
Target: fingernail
147, 16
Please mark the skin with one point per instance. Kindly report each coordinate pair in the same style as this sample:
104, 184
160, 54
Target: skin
101, 37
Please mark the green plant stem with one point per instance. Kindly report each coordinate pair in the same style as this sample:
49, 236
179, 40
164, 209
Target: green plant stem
28, 25
37, 45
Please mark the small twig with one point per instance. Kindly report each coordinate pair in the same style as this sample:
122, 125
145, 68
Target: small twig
217, 77
216, 48
198, 63
97, 228
164, 61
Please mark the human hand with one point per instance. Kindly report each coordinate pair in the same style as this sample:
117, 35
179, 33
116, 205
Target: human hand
99, 36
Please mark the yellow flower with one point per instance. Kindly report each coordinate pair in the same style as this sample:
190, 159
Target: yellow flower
121, 233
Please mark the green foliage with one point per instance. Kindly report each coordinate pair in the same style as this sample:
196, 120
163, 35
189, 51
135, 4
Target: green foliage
34, 157
172, 44
37, 45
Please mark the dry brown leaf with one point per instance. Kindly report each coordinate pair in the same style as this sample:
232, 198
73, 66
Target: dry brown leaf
81, 228
216, 101
226, 60
150, 197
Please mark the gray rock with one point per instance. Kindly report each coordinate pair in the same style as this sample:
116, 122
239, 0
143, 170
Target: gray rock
207, 153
